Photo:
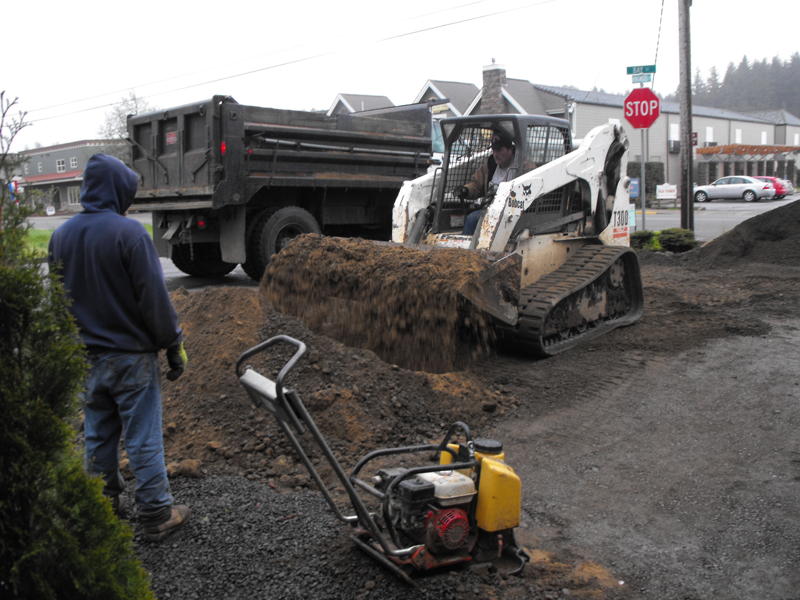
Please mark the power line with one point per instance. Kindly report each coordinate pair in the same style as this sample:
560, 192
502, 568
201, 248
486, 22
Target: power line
287, 63
658, 40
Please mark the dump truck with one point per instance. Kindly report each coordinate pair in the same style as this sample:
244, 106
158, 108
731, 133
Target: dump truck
230, 184
553, 236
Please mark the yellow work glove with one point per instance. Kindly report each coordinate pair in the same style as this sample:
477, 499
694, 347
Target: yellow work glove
177, 359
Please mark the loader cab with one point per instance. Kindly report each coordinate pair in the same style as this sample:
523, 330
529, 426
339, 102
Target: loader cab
537, 140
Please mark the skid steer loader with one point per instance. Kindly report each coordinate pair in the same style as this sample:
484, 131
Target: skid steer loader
558, 229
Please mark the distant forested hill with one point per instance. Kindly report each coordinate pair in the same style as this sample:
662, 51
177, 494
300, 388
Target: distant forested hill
760, 85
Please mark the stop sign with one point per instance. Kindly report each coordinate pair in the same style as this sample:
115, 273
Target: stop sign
642, 108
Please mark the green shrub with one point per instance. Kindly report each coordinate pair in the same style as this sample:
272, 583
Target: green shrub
60, 538
645, 240
640, 239
677, 239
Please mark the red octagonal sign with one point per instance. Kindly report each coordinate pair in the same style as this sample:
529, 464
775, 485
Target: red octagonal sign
642, 108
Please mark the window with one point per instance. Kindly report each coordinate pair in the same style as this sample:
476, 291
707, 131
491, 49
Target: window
674, 132
797, 139
74, 195
61, 165
25, 169
737, 136
39, 167
709, 134
545, 144
763, 137
73, 162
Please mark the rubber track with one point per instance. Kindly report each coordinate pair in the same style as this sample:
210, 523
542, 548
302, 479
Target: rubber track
583, 268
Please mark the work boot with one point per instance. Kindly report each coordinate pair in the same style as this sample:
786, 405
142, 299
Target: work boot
118, 506
162, 523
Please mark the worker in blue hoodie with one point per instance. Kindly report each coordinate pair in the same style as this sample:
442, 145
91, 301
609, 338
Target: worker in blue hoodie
111, 272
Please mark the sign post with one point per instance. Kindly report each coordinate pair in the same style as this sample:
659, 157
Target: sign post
641, 109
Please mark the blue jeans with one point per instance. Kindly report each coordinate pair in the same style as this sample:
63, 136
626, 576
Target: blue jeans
123, 394
471, 222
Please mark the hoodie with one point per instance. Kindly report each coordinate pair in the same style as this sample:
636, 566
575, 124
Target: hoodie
110, 267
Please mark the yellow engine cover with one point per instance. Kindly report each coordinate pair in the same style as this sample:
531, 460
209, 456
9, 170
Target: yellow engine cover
499, 491
499, 496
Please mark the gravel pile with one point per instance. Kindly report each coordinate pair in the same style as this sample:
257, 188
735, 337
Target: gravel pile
246, 540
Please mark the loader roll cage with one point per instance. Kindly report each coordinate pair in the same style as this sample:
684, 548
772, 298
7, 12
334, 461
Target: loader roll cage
294, 420
537, 141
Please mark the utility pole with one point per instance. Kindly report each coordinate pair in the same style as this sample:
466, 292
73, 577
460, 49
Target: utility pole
685, 92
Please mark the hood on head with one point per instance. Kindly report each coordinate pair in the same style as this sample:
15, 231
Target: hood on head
108, 185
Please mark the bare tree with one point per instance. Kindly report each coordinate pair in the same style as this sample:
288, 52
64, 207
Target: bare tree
10, 126
115, 125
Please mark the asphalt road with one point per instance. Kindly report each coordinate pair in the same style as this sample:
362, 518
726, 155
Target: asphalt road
175, 279
711, 219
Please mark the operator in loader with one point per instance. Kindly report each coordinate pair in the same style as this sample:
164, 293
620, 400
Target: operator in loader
111, 271
497, 169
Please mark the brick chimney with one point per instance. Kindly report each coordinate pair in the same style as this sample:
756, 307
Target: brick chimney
494, 79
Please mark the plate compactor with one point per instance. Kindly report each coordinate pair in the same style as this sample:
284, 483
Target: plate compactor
454, 503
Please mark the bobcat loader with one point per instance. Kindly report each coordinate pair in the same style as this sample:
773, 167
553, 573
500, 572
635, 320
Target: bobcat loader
556, 233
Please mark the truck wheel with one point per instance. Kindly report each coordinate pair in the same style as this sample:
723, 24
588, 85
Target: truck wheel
203, 260
272, 233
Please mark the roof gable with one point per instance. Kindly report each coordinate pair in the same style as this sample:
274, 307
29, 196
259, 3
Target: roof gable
359, 102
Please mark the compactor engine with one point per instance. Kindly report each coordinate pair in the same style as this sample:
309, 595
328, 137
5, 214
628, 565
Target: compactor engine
433, 506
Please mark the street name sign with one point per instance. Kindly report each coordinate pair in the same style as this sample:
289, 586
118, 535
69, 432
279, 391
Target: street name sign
641, 69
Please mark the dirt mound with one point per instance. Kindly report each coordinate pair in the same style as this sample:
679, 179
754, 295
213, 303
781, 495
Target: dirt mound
359, 401
772, 237
402, 303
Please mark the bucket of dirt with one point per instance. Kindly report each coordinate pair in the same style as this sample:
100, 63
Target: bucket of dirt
403, 303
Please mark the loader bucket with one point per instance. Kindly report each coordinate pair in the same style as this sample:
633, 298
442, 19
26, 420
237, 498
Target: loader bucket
496, 290
419, 307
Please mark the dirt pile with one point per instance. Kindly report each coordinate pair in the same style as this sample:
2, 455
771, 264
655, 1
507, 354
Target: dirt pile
772, 237
359, 401
402, 303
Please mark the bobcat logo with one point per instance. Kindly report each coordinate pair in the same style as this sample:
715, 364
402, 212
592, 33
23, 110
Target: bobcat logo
512, 201
526, 190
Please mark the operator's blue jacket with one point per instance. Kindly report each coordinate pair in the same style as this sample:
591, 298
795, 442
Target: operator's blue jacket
110, 267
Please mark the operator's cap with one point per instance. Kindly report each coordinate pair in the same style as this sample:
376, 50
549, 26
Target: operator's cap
500, 139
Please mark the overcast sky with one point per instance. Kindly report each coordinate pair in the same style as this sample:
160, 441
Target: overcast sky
68, 61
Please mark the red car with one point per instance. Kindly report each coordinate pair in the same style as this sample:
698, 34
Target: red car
780, 188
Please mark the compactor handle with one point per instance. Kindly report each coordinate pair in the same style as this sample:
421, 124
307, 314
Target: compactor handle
301, 349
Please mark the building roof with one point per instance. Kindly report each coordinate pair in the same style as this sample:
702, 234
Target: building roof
78, 144
616, 100
779, 117
359, 102
521, 93
50, 178
459, 94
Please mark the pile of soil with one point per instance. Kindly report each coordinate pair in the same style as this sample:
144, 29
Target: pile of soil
359, 401
402, 303
362, 402
772, 237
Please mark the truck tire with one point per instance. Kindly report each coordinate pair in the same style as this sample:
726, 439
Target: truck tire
272, 232
201, 260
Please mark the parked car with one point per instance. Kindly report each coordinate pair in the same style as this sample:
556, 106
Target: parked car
736, 186
789, 186
778, 184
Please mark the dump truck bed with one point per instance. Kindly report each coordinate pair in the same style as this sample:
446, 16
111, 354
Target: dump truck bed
218, 153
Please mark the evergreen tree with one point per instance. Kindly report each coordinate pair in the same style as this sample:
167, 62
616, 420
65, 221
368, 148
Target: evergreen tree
58, 536
713, 88
699, 89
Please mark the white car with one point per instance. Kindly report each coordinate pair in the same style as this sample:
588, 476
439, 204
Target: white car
748, 188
